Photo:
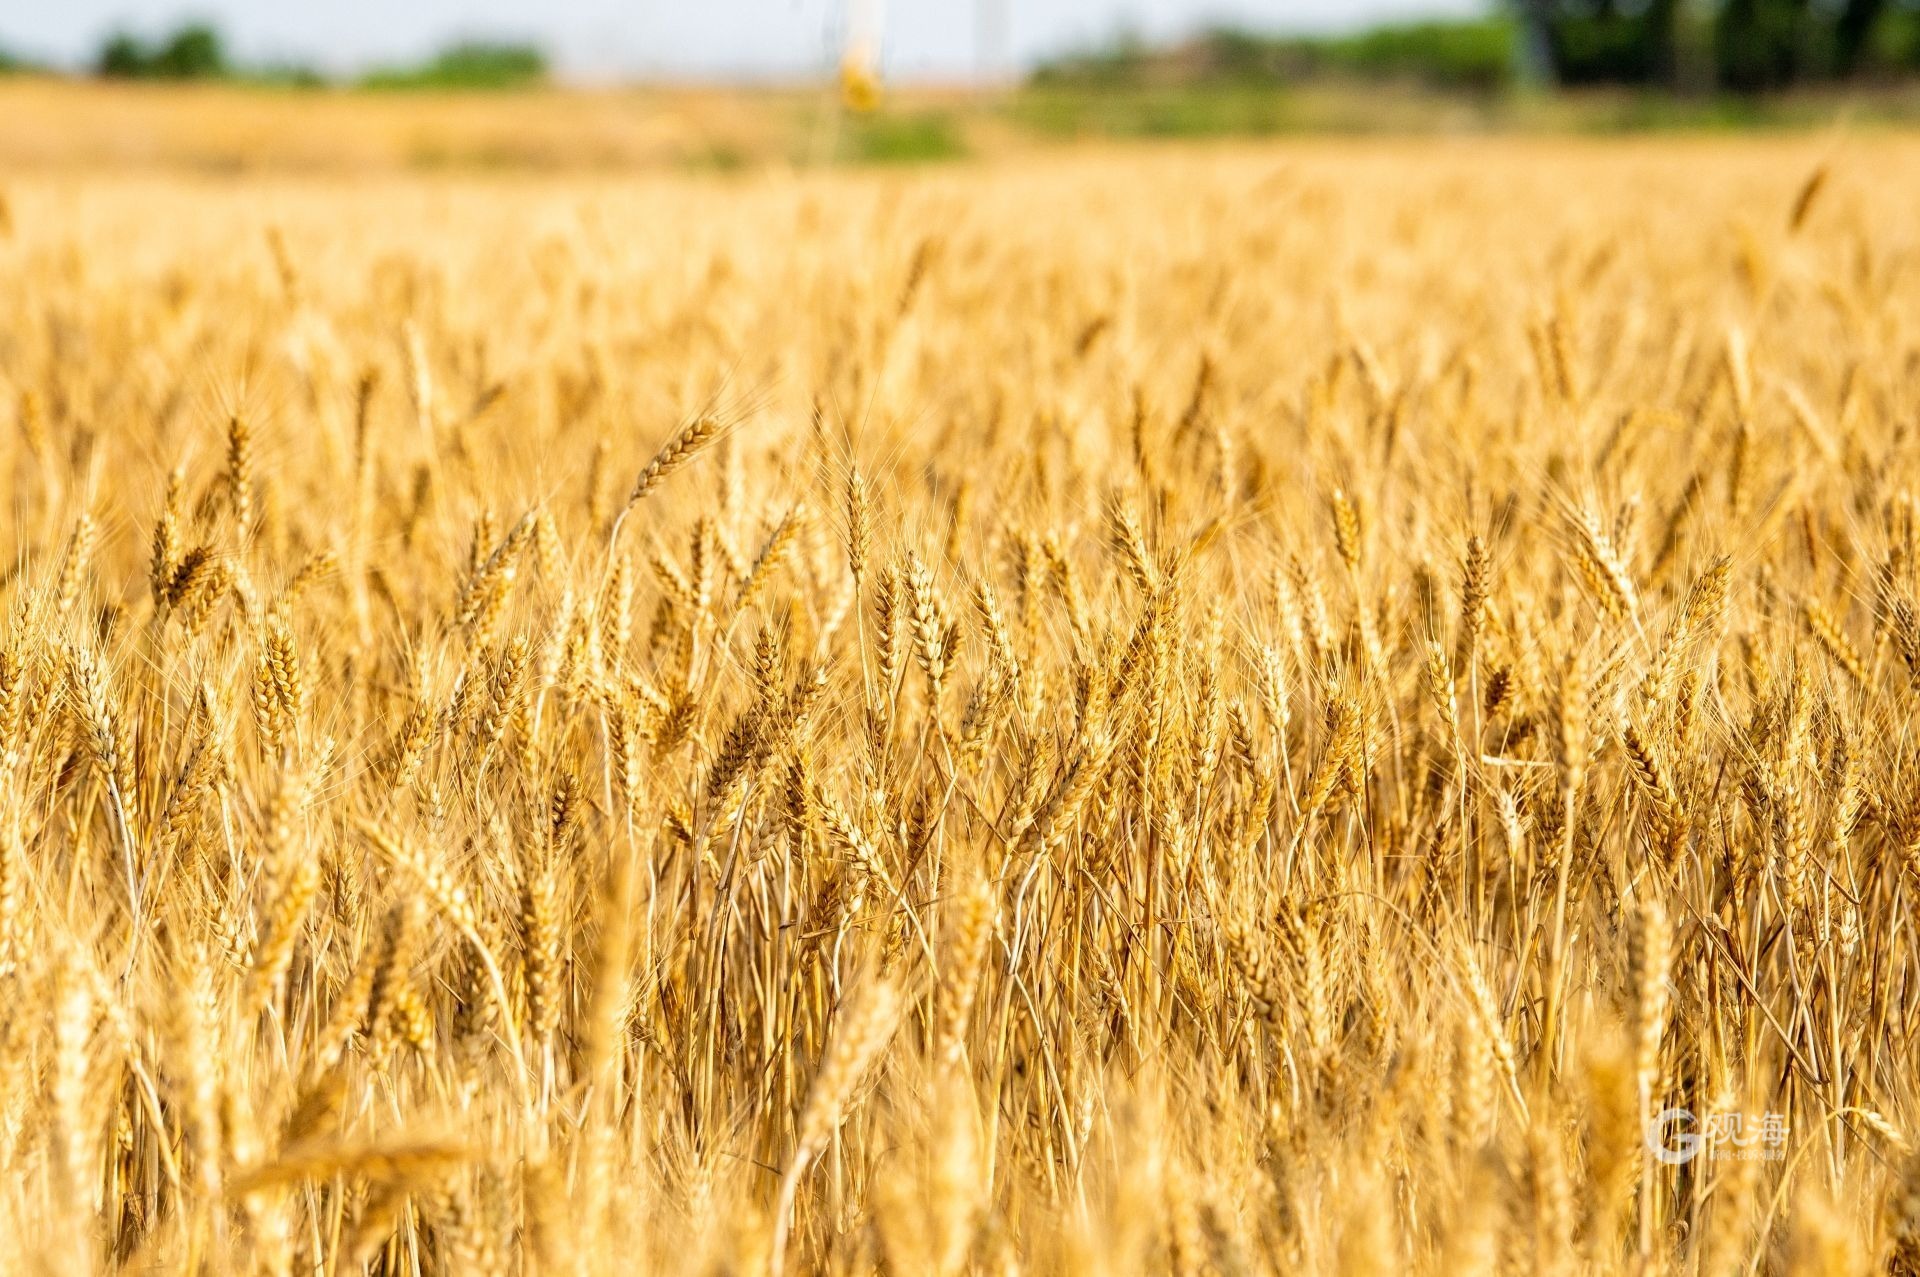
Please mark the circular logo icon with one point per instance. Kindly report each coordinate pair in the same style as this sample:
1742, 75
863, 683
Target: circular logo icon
1670, 1138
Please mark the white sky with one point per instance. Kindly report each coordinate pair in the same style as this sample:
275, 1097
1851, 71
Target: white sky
678, 38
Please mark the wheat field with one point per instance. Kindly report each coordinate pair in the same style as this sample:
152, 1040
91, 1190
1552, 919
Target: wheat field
1238, 710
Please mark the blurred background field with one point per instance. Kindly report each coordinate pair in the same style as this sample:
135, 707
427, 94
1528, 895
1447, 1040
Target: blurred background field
55, 124
179, 94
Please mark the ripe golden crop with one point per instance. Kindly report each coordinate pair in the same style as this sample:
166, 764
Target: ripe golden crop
1319, 708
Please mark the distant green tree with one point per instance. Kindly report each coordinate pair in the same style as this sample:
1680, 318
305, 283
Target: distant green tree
1894, 44
1604, 41
1469, 54
122, 57
1687, 46
1853, 33
1760, 44
1747, 46
485, 65
1453, 55
473, 64
193, 52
